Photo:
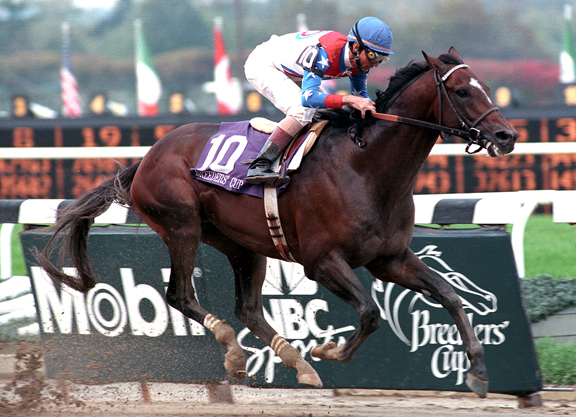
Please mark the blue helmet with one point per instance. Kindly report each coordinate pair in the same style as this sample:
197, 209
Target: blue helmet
373, 34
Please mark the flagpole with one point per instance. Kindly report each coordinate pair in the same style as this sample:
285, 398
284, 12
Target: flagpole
568, 55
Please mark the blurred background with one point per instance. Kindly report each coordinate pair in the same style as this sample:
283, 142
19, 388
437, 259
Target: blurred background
514, 46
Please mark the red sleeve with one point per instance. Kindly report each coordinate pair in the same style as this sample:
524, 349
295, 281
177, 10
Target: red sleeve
333, 101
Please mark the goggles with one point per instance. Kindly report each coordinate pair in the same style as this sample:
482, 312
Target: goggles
373, 56
376, 57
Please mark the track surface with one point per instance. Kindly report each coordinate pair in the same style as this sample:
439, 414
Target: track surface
167, 400
25, 391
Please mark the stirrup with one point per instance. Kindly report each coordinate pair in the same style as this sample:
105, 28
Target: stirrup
259, 176
268, 177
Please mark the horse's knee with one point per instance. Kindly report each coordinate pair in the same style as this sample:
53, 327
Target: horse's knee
370, 317
239, 312
449, 299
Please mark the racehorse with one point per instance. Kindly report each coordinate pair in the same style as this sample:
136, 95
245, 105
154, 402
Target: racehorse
350, 204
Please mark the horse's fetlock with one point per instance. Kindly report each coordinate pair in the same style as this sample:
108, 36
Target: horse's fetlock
224, 333
173, 302
476, 352
291, 358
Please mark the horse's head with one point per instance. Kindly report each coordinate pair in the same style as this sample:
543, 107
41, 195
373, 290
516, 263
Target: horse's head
470, 107
474, 298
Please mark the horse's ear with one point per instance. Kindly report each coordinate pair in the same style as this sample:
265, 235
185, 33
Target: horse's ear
435, 63
454, 53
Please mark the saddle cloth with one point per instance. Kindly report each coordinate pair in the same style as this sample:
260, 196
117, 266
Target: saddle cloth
223, 159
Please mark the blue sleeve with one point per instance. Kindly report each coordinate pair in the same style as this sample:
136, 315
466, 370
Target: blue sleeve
359, 84
312, 96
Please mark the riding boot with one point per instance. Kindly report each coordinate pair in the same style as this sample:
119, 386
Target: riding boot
259, 170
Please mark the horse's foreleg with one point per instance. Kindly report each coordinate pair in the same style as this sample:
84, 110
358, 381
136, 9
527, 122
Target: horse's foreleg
250, 272
337, 276
412, 273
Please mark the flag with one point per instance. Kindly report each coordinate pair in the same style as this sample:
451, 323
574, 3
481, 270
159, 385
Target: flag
567, 56
227, 89
71, 106
148, 86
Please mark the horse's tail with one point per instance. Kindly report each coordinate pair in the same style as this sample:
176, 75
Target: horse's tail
73, 225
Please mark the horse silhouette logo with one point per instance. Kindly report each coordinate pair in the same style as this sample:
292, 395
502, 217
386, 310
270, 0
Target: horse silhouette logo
474, 299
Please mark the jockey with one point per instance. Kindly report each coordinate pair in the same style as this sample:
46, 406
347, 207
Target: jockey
289, 69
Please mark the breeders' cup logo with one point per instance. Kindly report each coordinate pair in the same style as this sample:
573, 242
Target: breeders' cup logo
396, 302
294, 319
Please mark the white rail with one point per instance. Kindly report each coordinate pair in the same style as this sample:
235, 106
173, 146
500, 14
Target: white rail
523, 148
447, 149
98, 152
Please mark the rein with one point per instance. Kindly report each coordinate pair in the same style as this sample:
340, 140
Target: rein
472, 135
427, 125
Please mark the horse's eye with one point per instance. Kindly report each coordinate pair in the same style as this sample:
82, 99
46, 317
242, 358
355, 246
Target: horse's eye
462, 93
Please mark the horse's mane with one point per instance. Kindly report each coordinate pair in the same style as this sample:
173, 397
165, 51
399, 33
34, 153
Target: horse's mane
401, 79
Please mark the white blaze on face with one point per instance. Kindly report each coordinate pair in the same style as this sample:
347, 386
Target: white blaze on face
475, 83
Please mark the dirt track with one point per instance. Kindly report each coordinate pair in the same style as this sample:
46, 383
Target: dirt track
167, 400
24, 391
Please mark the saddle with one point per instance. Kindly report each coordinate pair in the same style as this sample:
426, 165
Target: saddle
267, 126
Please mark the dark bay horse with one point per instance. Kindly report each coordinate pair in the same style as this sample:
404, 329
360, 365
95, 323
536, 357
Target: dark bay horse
347, 206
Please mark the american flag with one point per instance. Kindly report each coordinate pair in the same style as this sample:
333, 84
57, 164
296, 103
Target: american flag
71, 106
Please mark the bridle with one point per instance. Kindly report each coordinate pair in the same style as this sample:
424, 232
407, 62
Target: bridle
472, 134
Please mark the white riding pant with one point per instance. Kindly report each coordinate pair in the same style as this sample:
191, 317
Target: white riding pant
272, 83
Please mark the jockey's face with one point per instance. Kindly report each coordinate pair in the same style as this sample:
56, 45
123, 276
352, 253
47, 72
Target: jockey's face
365, 62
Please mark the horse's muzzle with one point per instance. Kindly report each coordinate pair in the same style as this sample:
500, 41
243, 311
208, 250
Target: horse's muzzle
502, 143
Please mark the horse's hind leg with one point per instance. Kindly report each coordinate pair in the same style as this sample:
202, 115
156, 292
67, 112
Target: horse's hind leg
249, 272
180, 229
181, 295
412, 273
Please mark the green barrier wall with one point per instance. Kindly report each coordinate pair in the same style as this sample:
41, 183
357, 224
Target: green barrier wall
123, 330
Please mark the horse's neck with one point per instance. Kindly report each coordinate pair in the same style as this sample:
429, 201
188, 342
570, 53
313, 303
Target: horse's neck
405, 147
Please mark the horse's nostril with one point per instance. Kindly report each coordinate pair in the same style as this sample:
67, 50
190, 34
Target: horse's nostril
504, 136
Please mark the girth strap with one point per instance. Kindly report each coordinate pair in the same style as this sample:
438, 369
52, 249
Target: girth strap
271, 199
274, 225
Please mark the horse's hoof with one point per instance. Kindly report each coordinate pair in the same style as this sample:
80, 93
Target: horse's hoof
235, 364
477, 385
325, 352
236, 371
241, 374
310, 378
